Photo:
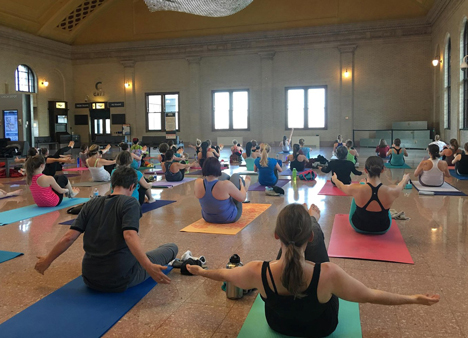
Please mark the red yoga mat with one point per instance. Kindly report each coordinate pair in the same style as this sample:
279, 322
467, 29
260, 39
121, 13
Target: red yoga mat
330, 190
75, 169
345, 242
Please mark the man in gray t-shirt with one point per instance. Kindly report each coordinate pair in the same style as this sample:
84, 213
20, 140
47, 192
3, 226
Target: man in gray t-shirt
114, 259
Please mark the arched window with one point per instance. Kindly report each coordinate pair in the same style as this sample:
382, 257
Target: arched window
447, 85
25, 79
465, 78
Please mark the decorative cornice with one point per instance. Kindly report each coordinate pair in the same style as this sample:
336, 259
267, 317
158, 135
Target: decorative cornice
347, 48
440, 8
267, 55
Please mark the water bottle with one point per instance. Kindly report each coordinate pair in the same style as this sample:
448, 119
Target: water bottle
294, 174
96, 193
232, 291
78, 161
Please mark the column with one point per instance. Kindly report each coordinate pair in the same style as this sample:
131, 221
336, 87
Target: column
192, 127
266, 119
346, 124
130, 101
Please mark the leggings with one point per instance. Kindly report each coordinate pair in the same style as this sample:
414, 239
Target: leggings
109, 168
235, 180
141, 195
62, 181
351, 213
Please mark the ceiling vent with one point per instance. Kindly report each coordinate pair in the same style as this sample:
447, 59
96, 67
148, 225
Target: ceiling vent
79, 14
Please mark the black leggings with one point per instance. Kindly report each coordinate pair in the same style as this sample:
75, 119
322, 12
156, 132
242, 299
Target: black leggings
109, 168
141, 195
62, 181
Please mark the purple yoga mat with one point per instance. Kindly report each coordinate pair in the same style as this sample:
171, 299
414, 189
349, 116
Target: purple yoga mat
166, 184
22, 182
258, 187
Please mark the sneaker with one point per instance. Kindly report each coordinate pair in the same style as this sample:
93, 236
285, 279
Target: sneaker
270, 192
186, 255
357, 164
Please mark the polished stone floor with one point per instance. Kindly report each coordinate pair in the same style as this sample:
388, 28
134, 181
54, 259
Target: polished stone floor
436, 236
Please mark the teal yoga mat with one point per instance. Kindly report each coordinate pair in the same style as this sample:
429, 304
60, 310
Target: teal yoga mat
7, 255
404, 166
33, 210
255, 325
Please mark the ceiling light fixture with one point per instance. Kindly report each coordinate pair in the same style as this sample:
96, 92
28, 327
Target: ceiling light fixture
212, 8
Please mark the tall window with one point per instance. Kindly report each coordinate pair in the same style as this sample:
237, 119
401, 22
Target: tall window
448, 85
465, 79
157, 105
25, 79
306, 107
231, 110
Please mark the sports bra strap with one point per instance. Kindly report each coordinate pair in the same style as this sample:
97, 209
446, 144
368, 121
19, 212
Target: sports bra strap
315, 277
96, 162
397, 150
266, 287
374, 196
271, 277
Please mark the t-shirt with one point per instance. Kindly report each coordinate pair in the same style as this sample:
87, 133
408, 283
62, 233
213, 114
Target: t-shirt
266, 175
343, 169
83, 158
108, 261
382, 152
135, 164
135, 192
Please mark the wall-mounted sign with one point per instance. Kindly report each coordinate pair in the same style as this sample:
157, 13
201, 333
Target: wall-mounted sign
60, 105
81, 105
116, 104
99, 91
99, 105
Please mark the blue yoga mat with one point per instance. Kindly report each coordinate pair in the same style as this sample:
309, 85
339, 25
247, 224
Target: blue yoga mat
255, 325
454, 173
404, 166
33, 210
144, 208
7, 255
75, 311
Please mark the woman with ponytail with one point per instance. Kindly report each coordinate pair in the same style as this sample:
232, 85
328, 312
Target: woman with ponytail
248, 156
301, 288
204, 153
449, 153
297, 160
431, 172
370, 207
267, 168
47, 191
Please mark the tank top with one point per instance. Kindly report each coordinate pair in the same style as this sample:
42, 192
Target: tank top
295, 164
462, 165
249, 163
99, 174
371, 221
300, 317
350, 157
398, 158
43, 197
170, 176
433, 177
285, 146
214, 210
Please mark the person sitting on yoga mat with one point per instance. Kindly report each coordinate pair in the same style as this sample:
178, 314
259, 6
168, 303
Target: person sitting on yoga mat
371, 202
205, 153
338, 143
175, 171
83, 155
341, 167
216, 150
99, 168
267, 168
53, 163
143, 188
397, 154
197, 147
114, 259
352, 153
431, 172
47, 191
301, 287
461, 162
220, 195
297, 161
136, 160
382, 149
449, 153
286, 142
439, 143
247, 155
236, 152
304, 150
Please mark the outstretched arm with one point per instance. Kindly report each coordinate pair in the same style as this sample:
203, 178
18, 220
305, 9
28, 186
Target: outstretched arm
290, 136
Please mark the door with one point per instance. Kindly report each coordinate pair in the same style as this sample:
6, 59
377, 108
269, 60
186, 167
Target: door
100, 122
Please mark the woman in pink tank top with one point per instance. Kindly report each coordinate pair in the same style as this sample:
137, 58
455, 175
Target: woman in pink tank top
47, 191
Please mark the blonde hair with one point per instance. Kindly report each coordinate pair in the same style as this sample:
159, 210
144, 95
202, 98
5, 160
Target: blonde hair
198, 142
264, 160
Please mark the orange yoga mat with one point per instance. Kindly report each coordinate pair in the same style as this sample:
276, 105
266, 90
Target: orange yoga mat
250, 211
345, 242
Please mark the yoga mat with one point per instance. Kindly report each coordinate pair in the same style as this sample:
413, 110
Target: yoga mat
33, 210
88, 184
250, 211
247, 173
257, 187
75, 311
345, 242
144, 208
445, 190
194, 173
404, 166
7, 255
330, 190
288, 172
255, 325
75, 169
22, 182
454, 173
166, 184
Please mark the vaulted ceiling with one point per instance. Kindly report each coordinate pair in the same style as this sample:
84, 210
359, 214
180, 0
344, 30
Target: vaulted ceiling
80, 22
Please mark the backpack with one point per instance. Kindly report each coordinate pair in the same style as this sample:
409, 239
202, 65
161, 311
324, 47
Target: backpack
308, 175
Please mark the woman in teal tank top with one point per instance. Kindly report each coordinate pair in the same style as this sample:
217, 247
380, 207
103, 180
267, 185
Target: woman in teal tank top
397, 154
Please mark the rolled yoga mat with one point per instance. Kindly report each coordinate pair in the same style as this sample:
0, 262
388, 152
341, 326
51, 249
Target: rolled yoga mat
404, 166
445, 190
257, 187
7, 255
144, 208
454, 173
255, 325
345, 242
33, 210
75, 311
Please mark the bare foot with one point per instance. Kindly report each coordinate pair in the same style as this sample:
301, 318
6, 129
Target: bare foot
247, 182
15, 193
71, 144
314, 211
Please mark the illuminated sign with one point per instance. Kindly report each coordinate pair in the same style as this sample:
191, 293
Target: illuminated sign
99, 105
60, 105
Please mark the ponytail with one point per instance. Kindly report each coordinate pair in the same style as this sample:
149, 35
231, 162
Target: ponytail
293, 274
248, 149
31, 165
264, 159
296, 149
204, 147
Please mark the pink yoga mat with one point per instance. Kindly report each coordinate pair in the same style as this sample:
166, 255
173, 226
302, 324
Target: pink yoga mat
345, 242
75, 169
257, 187
330, 190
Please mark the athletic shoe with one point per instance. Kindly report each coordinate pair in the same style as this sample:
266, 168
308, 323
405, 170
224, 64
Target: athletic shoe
357, 164
186, 255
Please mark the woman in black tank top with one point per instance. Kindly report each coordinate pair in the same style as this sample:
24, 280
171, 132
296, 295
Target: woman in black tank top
461, 162
297, 160
301, 297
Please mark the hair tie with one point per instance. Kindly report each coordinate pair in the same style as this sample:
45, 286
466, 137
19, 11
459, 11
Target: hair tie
292, 242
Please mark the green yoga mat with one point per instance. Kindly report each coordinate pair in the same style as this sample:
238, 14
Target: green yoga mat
404, 166
255, 325
33, 210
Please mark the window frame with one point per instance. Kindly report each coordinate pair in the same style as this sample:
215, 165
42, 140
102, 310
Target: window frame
231, 92
306, 100
163, 113
32, 86
448, 84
